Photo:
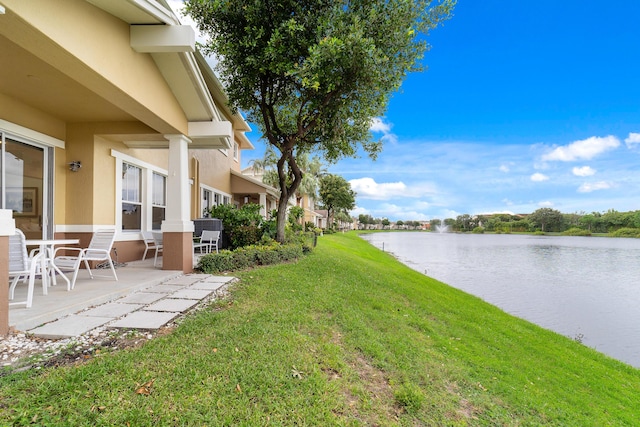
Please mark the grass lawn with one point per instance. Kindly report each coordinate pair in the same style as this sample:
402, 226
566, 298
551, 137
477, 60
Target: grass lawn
346, 336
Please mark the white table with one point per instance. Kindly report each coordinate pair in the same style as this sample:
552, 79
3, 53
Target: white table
46, 249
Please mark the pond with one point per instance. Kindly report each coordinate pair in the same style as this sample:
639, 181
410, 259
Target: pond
586, 288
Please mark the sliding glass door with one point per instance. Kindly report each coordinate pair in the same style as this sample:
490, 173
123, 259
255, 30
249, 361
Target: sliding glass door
26, 185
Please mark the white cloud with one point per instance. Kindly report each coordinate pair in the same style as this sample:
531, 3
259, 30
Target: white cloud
632, 140
585, 149
359, 210
588, 187
367, 188
504, 168
583, 171
545, 204
378, 125
405, 213
539, 177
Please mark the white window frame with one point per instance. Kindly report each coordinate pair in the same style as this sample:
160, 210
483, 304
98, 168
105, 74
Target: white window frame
217, 195
154, 203
236, 151
146, 196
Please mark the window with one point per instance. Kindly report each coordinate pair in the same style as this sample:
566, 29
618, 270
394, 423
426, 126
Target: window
159, 200
131, 197
205, 203
141, 204
235, 151
217, 198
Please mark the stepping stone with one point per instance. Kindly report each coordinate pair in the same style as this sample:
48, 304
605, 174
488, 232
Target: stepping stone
70, 326
182, 280
198, 276
164, 289
141, 298
172, 304
112, 309
218, 279
144, 320
209, 286
191, 294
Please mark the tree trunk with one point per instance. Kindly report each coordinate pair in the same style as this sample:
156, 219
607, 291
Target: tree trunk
281, 218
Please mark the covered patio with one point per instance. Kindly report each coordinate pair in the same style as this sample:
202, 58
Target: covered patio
59, 302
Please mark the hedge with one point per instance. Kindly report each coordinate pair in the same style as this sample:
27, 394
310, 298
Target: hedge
250, 256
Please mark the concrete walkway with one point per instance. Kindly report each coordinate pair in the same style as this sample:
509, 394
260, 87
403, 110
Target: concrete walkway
144, 309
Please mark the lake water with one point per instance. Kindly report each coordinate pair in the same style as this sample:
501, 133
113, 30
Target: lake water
581, 287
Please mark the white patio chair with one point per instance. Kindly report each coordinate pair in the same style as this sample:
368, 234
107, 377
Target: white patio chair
157, 237
21, 266
149, 243
209, 239
99, 250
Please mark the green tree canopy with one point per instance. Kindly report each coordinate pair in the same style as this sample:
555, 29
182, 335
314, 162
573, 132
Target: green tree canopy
546, 219
336, 195
312, 74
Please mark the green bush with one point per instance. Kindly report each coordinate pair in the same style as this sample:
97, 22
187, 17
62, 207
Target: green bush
267, 255
625, 232
245, 235
250, 256
478, 230
243, 226
575, 231
216, 263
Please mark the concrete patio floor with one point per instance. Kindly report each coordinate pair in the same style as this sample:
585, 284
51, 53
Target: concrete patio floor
87, 293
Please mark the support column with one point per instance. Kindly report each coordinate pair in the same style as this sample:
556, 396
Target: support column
7, 228
177, 228
263, 205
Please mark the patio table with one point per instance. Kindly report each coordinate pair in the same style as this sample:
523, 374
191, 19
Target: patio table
46, 249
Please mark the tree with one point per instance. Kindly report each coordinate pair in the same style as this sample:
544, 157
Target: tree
336, 195
312, 74
546, 219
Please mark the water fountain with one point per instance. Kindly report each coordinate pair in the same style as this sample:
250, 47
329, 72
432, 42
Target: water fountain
442, 228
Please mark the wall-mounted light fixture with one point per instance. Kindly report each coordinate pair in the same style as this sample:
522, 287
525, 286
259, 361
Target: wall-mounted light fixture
75, 166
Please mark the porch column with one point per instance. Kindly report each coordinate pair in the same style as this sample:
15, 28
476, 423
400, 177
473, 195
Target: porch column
7, 228
177, 228
263, 204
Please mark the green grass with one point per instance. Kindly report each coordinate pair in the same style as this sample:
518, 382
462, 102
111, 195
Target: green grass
346, 336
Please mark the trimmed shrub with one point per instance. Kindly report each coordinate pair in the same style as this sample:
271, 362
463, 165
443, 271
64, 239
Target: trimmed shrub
216, 263
267, 255
245, 235
575, 231
250, 256
625, 232
478, 230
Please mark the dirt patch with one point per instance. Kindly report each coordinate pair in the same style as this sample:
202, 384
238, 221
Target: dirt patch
371, 399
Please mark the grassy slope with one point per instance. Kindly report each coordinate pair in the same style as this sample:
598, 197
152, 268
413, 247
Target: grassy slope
347, 336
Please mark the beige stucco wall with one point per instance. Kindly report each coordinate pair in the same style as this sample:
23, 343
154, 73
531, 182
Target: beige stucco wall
214, 168
90, 192
21, 114
103, 61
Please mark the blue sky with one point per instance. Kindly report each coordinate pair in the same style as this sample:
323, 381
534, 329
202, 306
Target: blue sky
523, 105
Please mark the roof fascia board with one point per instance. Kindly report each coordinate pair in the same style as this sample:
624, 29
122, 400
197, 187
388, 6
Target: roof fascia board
158, 12
269, 189
218, 93
162, 38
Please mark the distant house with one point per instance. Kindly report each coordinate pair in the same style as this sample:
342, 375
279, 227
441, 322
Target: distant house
306, 202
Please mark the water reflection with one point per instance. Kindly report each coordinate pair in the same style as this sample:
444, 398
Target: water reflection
581, 287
